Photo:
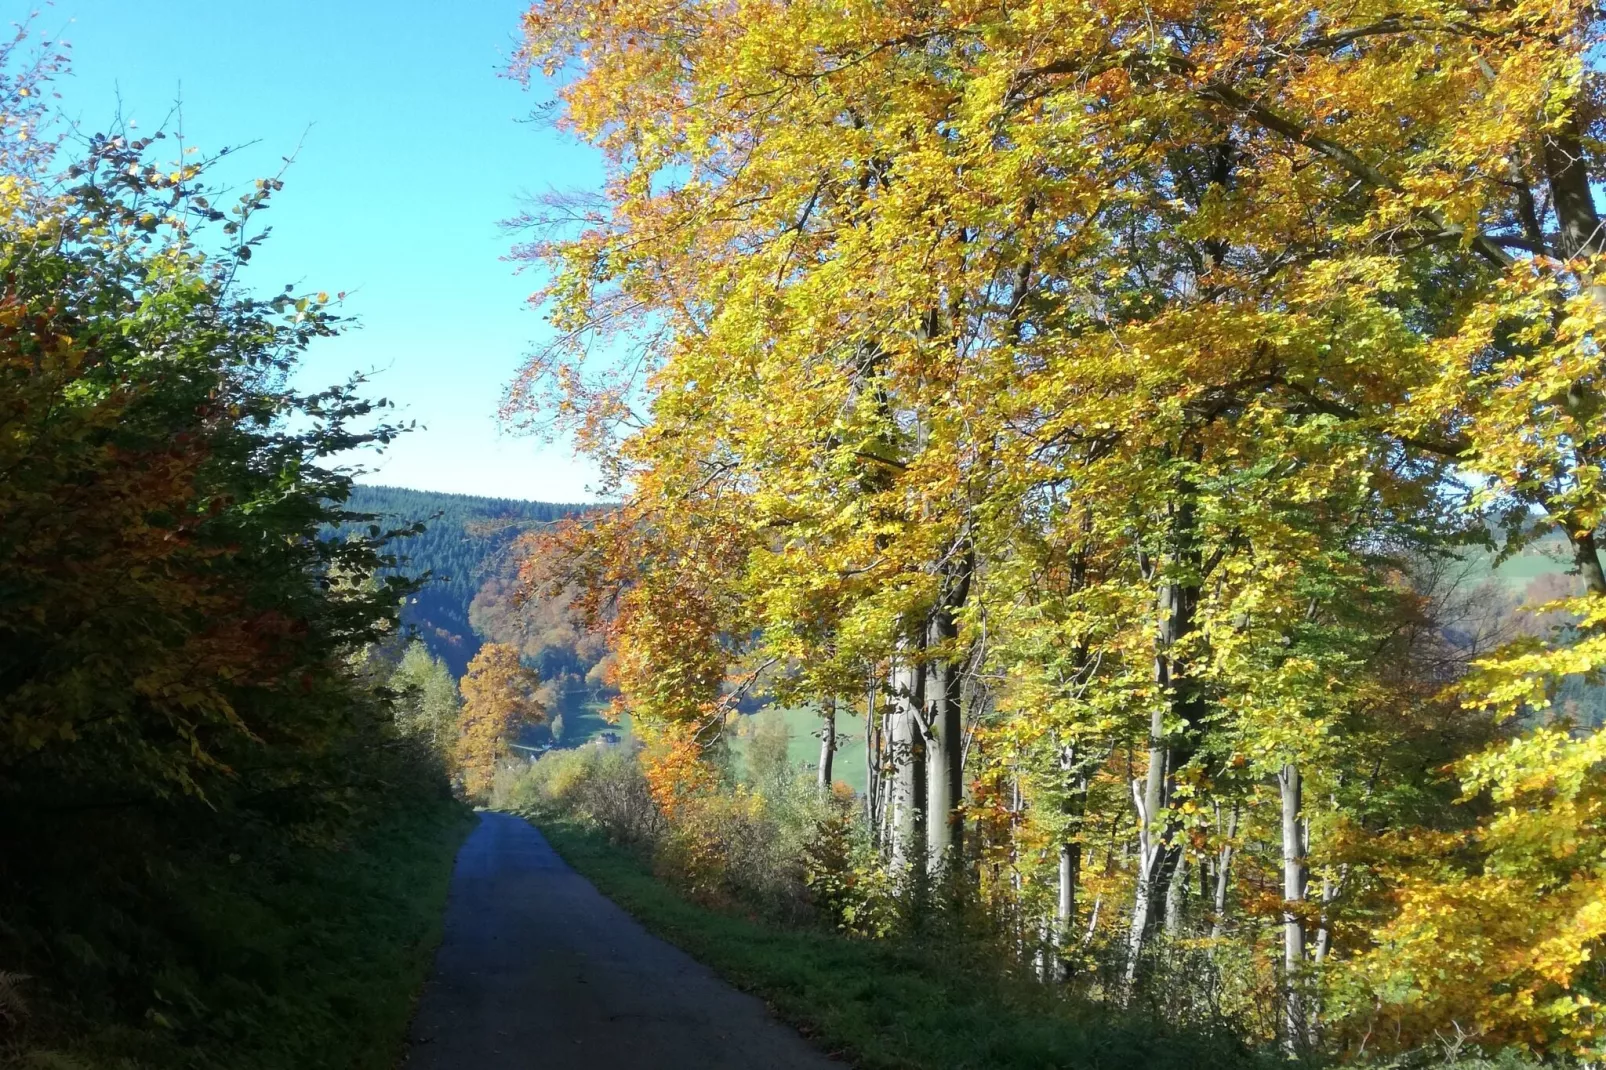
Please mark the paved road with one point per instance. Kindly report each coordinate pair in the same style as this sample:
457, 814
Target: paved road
539, 970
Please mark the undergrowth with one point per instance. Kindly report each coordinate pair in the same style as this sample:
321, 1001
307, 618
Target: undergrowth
274, 956
888, 1004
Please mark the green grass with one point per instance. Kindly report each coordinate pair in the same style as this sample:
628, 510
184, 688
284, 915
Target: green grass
1522, 569
803, 748
310, 961
887, 1006
584, 723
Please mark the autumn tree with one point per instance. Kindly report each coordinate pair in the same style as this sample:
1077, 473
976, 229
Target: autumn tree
498, 700
180, 609
167, 550
1096, 382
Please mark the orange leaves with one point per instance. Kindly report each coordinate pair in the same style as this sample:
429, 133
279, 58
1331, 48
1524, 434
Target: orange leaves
498, 700
171, 602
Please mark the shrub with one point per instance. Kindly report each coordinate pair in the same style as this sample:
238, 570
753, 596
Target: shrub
599, 785
744, 843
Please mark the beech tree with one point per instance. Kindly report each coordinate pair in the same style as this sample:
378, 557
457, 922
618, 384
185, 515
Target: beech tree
1100, 385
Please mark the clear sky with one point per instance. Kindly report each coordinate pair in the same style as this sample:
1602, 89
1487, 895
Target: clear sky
413, 147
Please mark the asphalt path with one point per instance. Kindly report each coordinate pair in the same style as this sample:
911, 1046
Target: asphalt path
540, 971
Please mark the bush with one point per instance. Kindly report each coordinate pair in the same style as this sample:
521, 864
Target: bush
744, 844
602, 786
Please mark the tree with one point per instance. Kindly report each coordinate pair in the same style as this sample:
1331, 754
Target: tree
769, 749
181, 614
1096, 381
167, 557
498, 700
427, 700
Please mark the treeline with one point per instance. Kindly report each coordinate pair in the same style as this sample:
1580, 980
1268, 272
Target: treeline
1098, 401
217, 847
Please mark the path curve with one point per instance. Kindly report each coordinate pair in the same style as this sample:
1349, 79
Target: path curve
540, 970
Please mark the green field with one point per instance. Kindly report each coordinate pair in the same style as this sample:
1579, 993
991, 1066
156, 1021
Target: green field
803, 724
1545, 557
584, 723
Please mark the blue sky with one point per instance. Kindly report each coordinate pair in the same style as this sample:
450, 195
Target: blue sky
412, 147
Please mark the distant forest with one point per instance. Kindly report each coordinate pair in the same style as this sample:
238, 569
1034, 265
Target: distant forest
466, 543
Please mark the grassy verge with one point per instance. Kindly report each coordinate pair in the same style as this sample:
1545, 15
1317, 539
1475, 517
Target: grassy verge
306, 960
881, 1005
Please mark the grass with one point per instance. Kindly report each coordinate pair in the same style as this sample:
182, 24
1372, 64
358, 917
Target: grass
584, 722
803, 744
1541, 559
309, 962
889, 1006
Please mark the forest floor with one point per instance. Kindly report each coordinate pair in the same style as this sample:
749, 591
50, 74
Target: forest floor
885, 1005
538, 968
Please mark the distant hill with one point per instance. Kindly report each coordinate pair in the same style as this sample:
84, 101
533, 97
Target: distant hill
465, 539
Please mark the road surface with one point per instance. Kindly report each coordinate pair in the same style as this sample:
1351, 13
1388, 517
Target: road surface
539, 970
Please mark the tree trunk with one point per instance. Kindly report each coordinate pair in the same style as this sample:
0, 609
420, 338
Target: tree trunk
1070, 875
1175, 893
827, 747
940, 796
944, 745
1154, 867
1159, 846
1218, 923
906, 754
1294, 882
1076, 783
1567, 174
945, 721
872, 763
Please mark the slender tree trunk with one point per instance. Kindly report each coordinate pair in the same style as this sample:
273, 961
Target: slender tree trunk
1175, 893
1149, 796
1076, 783
945, 715
1313, 1013
1324, 932
1294, 883
1159, 847
872, 762
944, 753
1218, 923
827, 747
1070, 875
940, 746
889, 776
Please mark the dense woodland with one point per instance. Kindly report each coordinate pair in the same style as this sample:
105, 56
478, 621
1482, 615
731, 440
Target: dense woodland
463, 547
1103, 402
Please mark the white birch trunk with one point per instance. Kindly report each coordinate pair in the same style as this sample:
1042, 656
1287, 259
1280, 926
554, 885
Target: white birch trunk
1294, 883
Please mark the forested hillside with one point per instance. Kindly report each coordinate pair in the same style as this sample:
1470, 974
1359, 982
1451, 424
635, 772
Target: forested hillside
464, 544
